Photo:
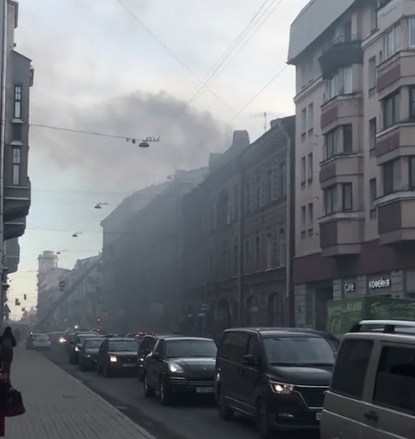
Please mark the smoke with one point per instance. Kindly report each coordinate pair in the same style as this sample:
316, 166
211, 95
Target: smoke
187, 137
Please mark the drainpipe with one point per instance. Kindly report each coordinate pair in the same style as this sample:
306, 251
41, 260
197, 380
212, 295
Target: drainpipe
289, 296
2, 146
241, 307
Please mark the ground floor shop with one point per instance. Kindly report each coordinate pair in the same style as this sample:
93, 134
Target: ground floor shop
377, 272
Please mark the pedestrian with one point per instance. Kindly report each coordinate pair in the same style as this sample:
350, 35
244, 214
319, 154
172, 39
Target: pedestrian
7, 343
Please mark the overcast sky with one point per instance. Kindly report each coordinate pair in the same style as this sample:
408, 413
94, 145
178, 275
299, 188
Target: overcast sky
98, 68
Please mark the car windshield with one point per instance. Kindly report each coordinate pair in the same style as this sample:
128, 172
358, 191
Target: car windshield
123, 345
41, 337
93, 344
190, 348
300, 351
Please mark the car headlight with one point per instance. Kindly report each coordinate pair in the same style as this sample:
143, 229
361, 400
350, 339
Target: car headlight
88, 355
76, 349
113, 359
175, 368
62, 340
282, 388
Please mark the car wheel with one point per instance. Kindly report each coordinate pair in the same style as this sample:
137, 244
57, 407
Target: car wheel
148, 391
107, 372
164, 392
262, 420
225, 412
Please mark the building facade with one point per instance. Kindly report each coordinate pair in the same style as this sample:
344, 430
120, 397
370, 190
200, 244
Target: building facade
355, 109
16, 80
237, 242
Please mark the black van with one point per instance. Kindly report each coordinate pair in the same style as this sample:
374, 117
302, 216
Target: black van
278, 376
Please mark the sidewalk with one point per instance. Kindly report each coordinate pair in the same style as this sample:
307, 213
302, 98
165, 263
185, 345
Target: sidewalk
60, 407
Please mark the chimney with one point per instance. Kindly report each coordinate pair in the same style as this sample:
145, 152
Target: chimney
240, 139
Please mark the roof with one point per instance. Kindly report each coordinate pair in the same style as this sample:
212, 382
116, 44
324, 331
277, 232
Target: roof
312, 21
278, 331
181, 338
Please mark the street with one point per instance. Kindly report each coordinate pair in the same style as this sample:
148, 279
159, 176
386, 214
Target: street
185, 420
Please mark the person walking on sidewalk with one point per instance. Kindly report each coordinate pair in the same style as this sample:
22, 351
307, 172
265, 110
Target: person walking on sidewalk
7, 343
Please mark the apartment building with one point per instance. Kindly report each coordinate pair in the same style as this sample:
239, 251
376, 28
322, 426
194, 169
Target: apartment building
355, 152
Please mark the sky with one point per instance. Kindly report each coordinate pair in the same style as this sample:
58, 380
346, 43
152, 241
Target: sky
131, 68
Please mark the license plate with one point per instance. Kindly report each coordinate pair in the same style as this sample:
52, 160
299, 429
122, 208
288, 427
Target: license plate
204, 390
128, 365
318, 416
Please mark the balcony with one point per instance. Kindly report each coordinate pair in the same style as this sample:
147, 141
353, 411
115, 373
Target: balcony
14, 228
396, 219
341, 235
396, 141
341, 107
341, 52
341, 165
16, 201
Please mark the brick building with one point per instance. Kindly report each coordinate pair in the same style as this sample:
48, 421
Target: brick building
236, 242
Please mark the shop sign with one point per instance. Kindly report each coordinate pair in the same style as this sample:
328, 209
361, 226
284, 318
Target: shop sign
380, 283
350, 287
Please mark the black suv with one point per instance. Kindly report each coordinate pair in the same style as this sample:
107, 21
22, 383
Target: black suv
117, 355
278, 376
88, 355
76, 345
180, 365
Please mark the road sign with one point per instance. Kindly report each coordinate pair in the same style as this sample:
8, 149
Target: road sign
62, 284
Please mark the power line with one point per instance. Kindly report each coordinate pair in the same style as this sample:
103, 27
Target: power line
168, 50
261, 91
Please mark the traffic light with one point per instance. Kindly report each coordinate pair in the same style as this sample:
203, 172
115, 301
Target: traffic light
98, 319
16, 302
24, 296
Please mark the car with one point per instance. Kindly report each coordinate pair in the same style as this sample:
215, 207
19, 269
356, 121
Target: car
117, 355
180, 365
88, 354
56, 337
145, 346
277, 376
38, 341
76, 345
372, 393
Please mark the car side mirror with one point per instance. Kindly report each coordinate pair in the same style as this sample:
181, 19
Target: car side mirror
249, 360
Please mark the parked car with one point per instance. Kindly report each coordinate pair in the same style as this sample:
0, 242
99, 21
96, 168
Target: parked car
277, 376
88, 354
183, 365
76, 345
145, 346
117, 355
372, 393
39, 341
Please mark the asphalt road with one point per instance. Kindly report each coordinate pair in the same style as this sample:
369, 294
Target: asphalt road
187, 419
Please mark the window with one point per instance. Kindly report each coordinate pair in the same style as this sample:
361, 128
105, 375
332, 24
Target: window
269, 186
212, 265
310, 117
351, 368
247, 255
373, 17
269, 251
303, 121
310, 220
275, 183
347, 31
391, 41
330, 199
372, 73
347, 85
340, 83
17, 102
16, 166
247, 198
372, 133
235, 259
330, 145
412, 32
303, 222
303, 170
373, 191
283, 249
412, 173
258, 252
395, 379
391, 110
283, 179
347, 196
258, 192
331, 88
236, 202
412, 103
391, 177
17, 132
348, 138
310, 167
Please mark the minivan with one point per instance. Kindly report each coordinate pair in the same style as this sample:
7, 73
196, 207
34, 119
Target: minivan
372, 394
277, 376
